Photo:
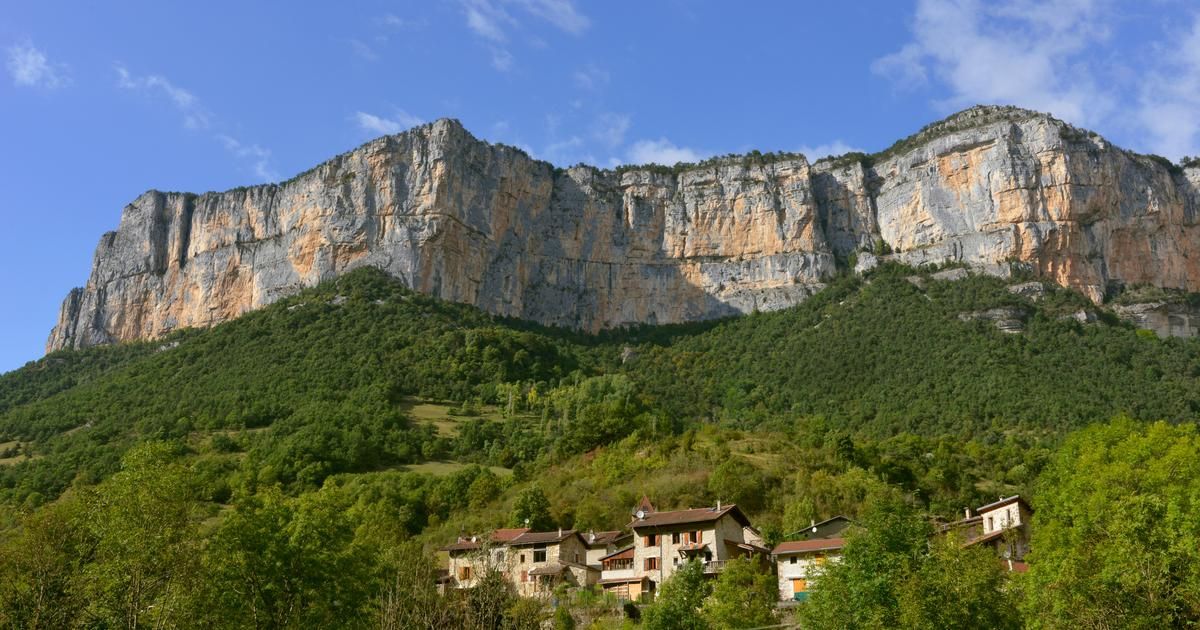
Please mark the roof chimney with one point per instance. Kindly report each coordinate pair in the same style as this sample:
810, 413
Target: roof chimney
968, 513
718, 505
560, 532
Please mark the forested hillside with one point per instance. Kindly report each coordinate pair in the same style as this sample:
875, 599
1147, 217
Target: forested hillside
324, 375
364, 415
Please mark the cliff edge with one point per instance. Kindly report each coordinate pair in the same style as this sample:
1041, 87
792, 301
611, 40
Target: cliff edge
467, 221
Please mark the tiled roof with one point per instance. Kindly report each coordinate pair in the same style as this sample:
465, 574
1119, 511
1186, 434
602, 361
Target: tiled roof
603, 538
620, 554
537, 538
684, 517
505, 535
751, 547
1003, 502
802, 546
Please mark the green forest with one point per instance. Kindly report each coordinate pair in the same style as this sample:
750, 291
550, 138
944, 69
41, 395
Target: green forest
297, 467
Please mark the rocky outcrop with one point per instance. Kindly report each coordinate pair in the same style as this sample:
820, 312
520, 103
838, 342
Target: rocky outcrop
1166, 319
1009, 319
487, 225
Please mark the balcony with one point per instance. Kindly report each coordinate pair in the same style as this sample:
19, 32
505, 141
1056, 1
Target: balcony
714, 566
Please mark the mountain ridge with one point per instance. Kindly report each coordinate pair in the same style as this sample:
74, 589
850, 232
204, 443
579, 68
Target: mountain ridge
588, 248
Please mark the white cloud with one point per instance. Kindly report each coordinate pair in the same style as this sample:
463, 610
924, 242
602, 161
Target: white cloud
661, 151
395, 21
29, 67
491, 21
611, 128
1059, 56
565, 151
1033, 54
591, 77
487, 19
837, 147
560, 13
386, 126
1169, 98
502, 60
259, 157
194, 116
364, 50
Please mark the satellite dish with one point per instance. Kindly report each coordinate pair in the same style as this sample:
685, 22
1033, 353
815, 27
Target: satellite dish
641, 514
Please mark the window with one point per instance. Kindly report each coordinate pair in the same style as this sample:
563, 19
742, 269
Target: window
464, 573
522, 558
650, 540
539, 555
651, 564
524, 576
675, 538
792, 560
991, 523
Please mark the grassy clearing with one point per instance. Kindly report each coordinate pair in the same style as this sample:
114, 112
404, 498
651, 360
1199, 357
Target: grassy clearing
439, 414
446, 468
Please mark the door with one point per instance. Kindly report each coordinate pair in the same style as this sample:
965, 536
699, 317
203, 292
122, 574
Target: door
799, 589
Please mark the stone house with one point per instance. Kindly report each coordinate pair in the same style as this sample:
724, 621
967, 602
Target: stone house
601, 544
468, 558
664, 541
1002, 525
799, 563
540, 561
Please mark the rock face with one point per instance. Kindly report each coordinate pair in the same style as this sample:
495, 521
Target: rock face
487, 225
1166, 319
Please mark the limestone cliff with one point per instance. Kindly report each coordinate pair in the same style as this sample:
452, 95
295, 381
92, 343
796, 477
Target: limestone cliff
484, 224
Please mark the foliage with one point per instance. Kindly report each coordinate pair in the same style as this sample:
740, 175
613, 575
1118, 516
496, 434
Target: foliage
40, 568
956, 587
1117, 536
744, 596
144, 524
677, 604
285, 562
892, 576
532, 510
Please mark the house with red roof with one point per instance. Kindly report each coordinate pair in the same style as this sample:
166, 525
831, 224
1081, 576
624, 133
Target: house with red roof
663, 541
799, 563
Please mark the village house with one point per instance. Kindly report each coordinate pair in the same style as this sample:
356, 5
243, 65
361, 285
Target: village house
534, 562
798, 563
470, 557
601, 544
833, 527
632, 565
1002, 525
540, 561
664, 541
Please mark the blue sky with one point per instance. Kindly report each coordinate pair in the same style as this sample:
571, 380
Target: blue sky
101, 101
